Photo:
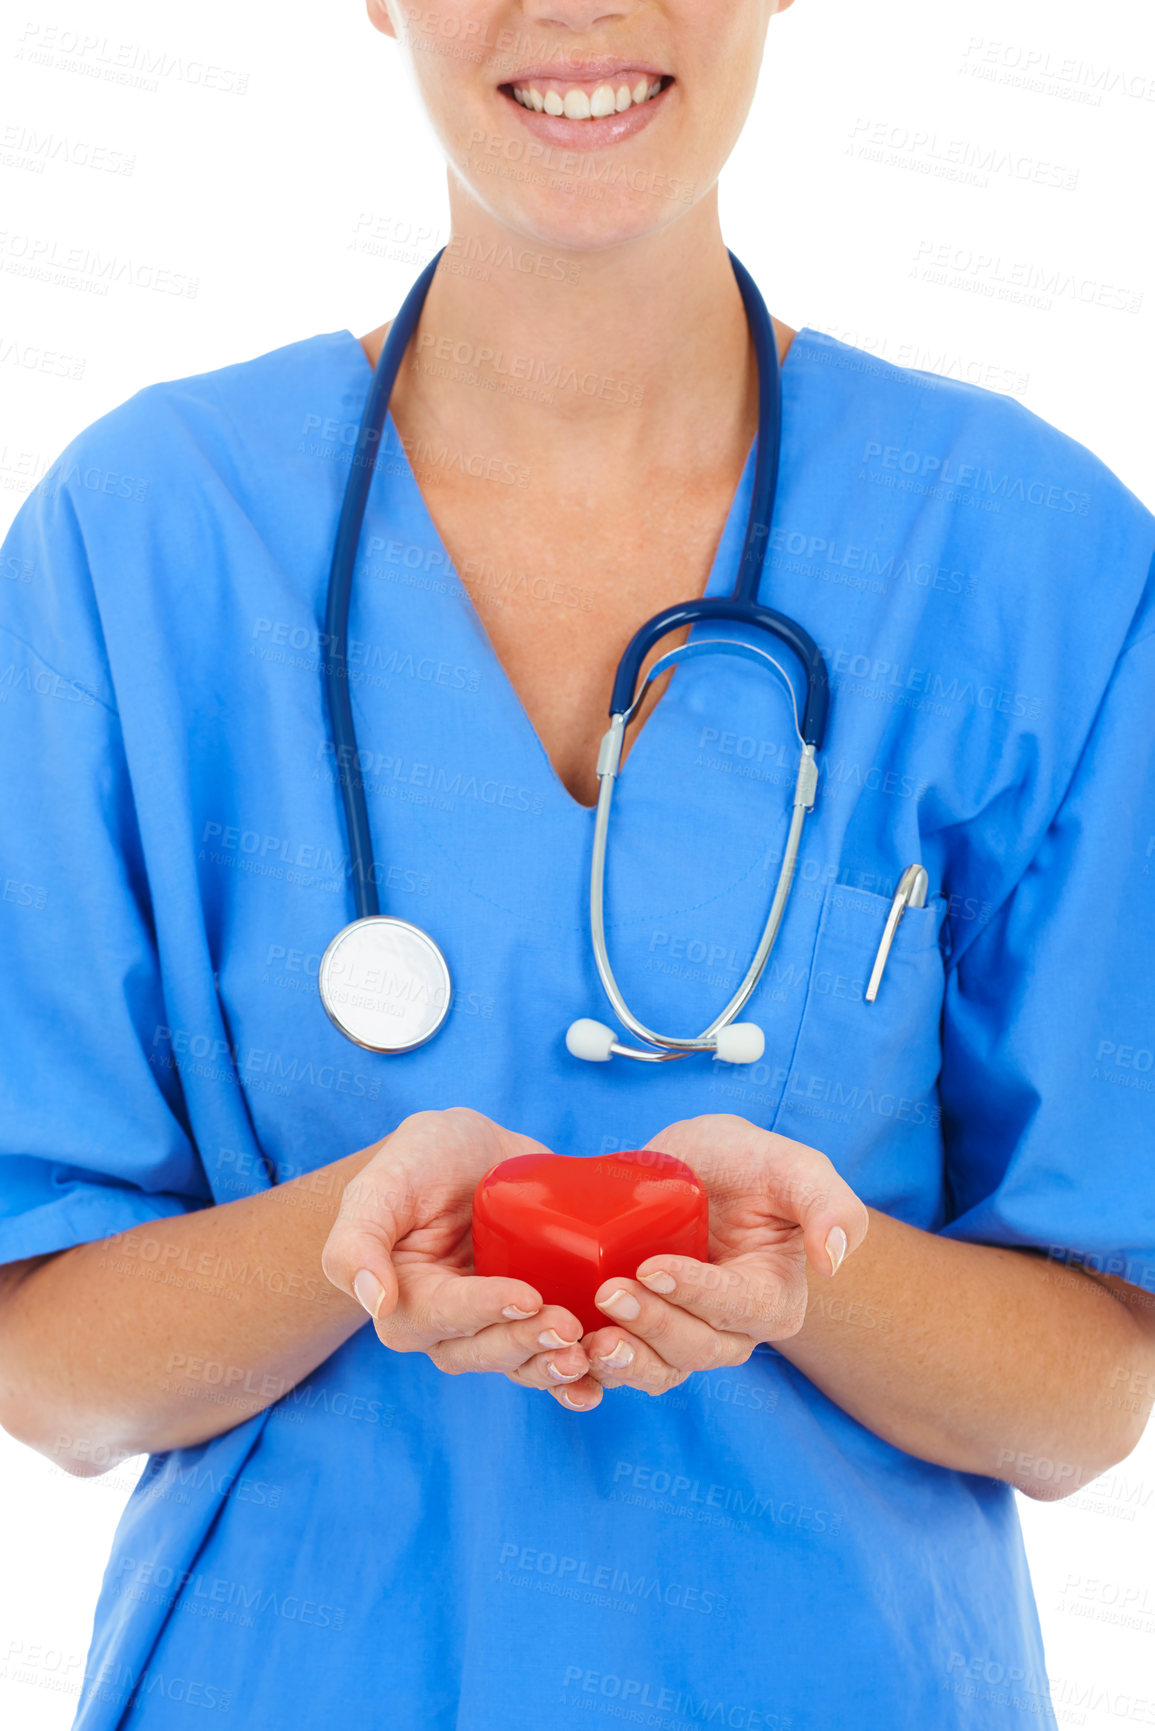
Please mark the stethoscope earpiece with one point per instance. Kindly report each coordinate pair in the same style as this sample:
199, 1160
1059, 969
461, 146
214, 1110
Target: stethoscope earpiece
740, 1043
590, 1040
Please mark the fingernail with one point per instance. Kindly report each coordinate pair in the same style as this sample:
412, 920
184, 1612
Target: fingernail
577, 1405
623, 1305
559, 1375
369, 1291
551, 1337
658, 1281
516, 1315
835, 1247
618, 1359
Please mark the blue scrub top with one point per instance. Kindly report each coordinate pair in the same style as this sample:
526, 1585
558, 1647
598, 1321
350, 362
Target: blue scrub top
423, 1551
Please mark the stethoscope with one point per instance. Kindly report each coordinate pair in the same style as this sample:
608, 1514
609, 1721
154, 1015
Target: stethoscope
383, 981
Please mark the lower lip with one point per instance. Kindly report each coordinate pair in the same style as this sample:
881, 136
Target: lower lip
589, 134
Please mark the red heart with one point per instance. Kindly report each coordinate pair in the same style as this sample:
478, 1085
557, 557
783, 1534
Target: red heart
565, 1225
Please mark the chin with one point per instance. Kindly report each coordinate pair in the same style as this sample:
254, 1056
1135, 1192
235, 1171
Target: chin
580, 218
574, 200
585, 227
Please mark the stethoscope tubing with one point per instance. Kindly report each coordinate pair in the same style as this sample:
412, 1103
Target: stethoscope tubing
364, 460
742, 606
734, 608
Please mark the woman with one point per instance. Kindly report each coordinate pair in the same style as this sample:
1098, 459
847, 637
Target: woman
207, 1187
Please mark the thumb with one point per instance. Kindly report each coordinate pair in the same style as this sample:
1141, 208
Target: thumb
833, 1219
358, 1255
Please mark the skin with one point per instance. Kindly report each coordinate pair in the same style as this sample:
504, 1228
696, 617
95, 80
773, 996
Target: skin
643, 487
975, 1358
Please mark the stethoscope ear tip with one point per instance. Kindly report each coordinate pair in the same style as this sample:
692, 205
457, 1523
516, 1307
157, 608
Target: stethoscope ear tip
590, 1040
740, 1043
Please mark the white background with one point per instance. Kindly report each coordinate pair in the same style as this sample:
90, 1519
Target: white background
277, 137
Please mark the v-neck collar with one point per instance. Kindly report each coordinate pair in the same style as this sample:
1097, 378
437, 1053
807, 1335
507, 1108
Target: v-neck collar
723, 567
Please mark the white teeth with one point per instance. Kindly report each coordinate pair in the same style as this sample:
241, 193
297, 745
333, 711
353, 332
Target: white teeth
577, 105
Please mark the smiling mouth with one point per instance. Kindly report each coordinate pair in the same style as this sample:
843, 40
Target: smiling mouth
589, 100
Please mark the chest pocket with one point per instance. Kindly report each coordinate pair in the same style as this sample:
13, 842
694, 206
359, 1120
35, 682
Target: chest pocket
862, 1080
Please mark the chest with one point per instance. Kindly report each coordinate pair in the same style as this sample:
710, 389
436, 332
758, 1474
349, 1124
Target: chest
561, 582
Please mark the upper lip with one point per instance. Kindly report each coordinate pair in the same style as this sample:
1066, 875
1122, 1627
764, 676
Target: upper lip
585, 70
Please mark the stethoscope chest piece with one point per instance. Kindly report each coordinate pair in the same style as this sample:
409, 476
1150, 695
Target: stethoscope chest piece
385, 984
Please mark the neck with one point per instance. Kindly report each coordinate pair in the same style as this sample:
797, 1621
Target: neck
641, 351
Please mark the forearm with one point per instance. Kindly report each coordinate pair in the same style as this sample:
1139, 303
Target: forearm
175, 1331
984, 1360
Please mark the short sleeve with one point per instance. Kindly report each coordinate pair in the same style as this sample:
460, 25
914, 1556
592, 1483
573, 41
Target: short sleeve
1048, 1078
92, 1138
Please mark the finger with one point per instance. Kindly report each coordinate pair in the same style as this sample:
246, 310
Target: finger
621, 1360
743, 1295
559, 1382
436, 1303
551, 1337
581, 1396
555, 1370
680, 1340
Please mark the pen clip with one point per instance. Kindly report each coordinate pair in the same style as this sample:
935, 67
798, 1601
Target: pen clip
911, 893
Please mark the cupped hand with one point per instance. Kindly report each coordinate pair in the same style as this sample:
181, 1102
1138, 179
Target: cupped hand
402, 1246
775, 1206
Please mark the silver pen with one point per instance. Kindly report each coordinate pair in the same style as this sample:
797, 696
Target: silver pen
911, 893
